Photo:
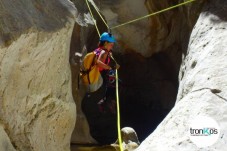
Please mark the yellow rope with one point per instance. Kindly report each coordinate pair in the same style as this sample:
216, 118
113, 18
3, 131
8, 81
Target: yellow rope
118, 108
152, 14
101, 17
118, 114
93, 18
117, 93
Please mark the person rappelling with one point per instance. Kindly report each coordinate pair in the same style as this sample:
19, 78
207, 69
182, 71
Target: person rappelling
106, 44
99, 103
97, 64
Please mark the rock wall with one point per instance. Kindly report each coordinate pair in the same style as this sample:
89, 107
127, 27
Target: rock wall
5, 144
202, 89
36, 103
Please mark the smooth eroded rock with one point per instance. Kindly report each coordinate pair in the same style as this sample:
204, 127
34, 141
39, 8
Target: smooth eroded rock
202, 89
36, 102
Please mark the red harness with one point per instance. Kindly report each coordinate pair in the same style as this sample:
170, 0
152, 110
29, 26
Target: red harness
107, 61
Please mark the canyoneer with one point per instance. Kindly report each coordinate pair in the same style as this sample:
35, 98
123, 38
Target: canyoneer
105, 47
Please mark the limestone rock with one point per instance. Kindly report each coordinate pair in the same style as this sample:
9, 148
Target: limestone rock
36, 103
154, 34
5, 144
202, 89
129, 138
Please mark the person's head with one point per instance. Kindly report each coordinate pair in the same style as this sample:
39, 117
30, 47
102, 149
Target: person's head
107, 41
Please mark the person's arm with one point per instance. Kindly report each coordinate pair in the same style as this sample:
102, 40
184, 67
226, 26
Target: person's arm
101, 59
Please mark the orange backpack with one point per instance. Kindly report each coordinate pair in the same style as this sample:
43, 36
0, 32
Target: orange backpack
89, 71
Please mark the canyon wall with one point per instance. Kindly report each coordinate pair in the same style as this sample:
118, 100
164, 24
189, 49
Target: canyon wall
202, 89
37, 109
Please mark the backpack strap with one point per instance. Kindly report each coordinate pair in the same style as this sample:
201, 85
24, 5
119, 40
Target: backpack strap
107, 58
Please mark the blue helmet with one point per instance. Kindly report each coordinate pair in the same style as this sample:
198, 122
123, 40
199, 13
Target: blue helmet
107, 37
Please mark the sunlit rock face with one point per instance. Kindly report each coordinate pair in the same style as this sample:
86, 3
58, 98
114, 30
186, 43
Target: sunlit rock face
5, 144
36, 105
202, 89
163, 32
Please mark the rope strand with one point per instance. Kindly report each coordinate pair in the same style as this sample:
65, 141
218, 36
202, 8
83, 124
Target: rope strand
101, 16
93, 18
118, 114
152, 14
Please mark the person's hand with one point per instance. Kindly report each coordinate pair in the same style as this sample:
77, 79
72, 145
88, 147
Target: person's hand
109, 68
